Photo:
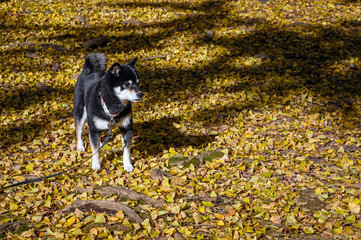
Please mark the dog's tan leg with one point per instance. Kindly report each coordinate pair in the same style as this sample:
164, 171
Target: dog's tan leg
79, 125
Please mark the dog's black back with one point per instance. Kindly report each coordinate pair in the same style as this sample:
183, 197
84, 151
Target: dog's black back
88, 81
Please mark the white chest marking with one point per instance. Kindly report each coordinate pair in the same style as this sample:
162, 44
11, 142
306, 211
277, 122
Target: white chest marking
121, 94
100, 124
125, 121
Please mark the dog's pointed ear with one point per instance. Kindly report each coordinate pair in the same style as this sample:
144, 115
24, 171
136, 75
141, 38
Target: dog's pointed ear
132, 63
115, 69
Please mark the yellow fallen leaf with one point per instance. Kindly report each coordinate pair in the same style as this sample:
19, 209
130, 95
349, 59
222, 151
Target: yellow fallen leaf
120, 214
29, 233
197, 218
354, 208
29, 167
207, 204
19, 178
220, 223
341, 149
175, 209
337, 230
99, 218
70, 221
59, 235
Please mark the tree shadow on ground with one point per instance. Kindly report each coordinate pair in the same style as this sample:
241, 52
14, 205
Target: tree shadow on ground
306, 54
21, 97
152, 137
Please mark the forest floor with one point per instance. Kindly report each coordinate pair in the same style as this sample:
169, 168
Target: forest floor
250, 126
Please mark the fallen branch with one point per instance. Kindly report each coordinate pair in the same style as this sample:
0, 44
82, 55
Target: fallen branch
221, 200
95, 42
22, 45
54, 47
101, 206
43, 46
131, 22
155, 57
7, 226
123, 193
128, 194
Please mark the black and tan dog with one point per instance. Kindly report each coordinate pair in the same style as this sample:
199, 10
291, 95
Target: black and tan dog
101, 96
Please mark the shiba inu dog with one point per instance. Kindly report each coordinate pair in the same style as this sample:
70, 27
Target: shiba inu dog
103, 97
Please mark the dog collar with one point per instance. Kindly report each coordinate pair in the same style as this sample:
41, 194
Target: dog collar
106, 109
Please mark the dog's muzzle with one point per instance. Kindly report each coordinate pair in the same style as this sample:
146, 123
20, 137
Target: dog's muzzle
139, 96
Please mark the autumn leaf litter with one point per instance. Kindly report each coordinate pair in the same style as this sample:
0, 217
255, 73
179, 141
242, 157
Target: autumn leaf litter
249, 128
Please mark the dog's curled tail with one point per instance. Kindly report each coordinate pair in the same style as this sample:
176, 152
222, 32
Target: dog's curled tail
95, 62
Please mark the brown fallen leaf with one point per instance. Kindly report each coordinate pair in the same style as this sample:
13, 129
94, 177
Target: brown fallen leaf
276, 219
209, 35
327, 235
80, 19
357, 185
42, 87
157, 174
55, 67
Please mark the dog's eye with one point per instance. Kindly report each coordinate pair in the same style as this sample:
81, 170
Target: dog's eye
127, 85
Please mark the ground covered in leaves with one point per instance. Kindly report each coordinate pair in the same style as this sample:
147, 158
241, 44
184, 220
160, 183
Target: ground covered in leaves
249, 127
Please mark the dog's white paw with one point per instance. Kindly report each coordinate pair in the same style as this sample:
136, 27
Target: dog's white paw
80, 147
95, 166
128, 167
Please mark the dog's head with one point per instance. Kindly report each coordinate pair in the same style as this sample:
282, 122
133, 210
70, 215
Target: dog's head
124, 80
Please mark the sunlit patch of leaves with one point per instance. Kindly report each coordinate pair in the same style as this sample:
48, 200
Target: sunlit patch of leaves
249, 127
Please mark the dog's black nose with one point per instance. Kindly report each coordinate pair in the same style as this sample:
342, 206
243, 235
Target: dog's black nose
139, 94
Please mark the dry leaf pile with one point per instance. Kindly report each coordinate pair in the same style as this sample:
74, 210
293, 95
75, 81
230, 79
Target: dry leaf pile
249, 127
